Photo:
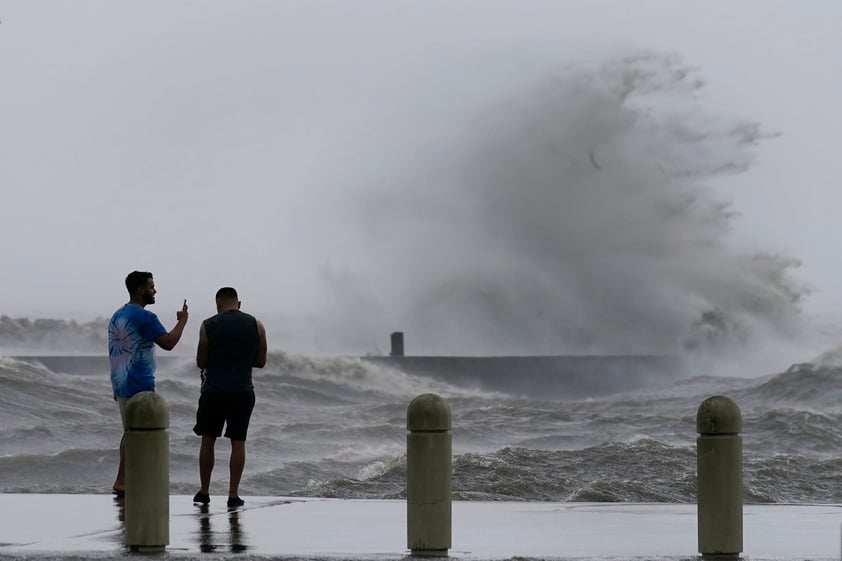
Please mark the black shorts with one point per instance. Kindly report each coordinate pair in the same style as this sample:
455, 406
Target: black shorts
233, 409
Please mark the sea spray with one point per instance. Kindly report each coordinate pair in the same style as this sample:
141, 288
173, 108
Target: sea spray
579, 216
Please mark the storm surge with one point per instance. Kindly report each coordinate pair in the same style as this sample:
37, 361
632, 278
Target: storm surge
337, 428
580, 215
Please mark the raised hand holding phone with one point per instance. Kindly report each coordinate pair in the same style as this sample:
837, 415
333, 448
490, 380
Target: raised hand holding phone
182, 314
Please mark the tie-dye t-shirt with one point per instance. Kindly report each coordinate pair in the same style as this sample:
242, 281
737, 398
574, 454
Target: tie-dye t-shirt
131, 351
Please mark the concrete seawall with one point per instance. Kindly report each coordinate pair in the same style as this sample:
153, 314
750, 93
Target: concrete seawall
91, 526
89, 364
540, 376
562, 376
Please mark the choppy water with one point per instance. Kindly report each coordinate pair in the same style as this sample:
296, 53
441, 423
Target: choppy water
327, 427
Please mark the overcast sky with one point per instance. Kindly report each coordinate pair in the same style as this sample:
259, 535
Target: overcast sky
315, 155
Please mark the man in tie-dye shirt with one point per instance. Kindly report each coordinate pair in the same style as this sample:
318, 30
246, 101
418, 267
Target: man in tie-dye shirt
133, 333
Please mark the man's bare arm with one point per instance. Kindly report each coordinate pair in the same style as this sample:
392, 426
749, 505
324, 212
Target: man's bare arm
202, 349
260, 355
168, 341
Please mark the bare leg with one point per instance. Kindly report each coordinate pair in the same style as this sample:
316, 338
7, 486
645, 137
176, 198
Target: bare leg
236, 465
206, 460
120, 482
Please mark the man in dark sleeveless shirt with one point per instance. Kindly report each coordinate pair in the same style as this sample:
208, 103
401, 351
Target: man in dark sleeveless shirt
230, 344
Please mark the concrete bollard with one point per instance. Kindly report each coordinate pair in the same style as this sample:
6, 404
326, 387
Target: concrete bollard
720, 479
428, 474
147, 450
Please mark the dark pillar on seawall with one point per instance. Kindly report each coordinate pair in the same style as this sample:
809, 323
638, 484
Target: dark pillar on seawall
397, 344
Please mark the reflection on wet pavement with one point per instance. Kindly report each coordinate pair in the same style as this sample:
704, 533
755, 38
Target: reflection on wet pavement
211, 542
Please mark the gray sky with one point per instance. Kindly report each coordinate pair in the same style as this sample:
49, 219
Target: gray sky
344, 165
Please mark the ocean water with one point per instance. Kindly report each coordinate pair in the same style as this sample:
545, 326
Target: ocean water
336, 427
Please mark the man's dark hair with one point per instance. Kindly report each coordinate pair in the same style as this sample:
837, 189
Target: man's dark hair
137, 279
226, 293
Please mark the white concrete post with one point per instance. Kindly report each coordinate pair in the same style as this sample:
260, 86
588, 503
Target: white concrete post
147, 450
720, 479
428, 475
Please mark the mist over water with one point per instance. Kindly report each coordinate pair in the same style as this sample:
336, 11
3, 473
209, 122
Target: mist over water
578, 216
574, 211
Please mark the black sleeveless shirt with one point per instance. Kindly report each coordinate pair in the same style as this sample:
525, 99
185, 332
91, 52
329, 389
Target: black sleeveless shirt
232, 344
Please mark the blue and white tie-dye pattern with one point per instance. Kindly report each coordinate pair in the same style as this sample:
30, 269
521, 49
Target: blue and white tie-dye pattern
131, 350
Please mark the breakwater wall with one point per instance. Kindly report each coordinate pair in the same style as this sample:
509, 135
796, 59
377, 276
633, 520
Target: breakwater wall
540, 376
560, 376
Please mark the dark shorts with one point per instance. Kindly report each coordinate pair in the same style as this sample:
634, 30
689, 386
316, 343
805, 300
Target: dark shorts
232, 409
